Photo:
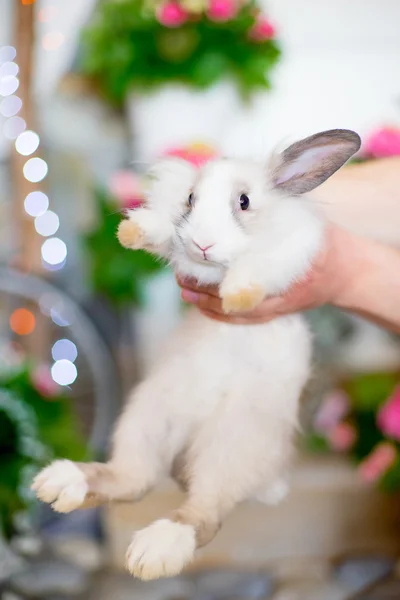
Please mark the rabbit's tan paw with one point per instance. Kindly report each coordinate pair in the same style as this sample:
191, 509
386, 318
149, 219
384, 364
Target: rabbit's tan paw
243, 300
130, 235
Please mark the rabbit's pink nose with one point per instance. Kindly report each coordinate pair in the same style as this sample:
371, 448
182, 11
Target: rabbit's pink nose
203, 248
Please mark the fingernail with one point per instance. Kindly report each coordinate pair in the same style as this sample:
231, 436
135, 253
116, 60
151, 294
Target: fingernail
189, 296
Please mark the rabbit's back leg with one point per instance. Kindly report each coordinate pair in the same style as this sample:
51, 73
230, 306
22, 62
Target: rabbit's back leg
138, 459
273, 493
229, 460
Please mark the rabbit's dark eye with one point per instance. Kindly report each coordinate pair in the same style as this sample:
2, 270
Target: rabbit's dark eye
244, 201
190, 199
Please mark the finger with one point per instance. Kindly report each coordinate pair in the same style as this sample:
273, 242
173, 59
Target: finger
192, 284
223, 318
212, 307
235, 319
203, 301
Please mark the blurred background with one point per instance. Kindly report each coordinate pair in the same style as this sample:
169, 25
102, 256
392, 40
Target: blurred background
91, 92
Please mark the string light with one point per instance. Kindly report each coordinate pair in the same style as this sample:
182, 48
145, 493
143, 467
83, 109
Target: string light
47, 14
22, 321
35, 169
13, 127
10, 106
64, 350
27, 143
8, 85
64, 372
36, 204
54, 250
59, 317
52, 40
47, 224
7, 54
9, 69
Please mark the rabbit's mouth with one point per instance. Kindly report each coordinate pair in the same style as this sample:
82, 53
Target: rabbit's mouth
203, 260
202, 257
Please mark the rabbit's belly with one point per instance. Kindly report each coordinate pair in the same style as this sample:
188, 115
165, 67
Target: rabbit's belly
211, 362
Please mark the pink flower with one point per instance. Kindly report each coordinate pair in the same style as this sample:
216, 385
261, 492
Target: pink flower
172, 14
125, 186
383, 142
334, 407
221, 10
342, 437
262, 30
388, 418
378, 462
43, 382
196, 154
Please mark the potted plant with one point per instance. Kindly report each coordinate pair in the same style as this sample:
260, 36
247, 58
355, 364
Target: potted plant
177, 65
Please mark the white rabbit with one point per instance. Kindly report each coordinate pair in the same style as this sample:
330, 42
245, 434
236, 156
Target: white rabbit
219, 410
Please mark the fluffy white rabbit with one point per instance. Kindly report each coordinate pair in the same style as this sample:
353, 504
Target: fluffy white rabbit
219, 410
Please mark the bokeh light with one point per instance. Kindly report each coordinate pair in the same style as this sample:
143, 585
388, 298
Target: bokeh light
47, 13
36, 204
8, 85
27, 143
46, 302
35, 169
7, 53
59, 316
47, 223
22, 321
56, 267
10, 106
9, 69
52, 306
64, 372
13, 127
53, 40
64, 350
54, 251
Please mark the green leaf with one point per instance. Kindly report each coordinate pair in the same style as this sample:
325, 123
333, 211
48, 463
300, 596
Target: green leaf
390, 482
315, 443
371, 390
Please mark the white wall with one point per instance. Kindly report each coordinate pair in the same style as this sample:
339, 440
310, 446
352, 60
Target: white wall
341, 68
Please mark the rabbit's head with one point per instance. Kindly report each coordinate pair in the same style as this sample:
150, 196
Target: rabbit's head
213, 214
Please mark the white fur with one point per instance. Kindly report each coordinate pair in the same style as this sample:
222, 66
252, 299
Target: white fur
162, 549
220, 408
62, 484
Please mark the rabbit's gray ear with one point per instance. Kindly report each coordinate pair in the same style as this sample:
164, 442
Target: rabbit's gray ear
308, 163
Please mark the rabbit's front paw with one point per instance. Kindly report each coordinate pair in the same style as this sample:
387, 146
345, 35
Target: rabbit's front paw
130, 235
63, 485
241, 300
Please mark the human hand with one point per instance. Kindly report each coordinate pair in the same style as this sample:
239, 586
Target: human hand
324, 284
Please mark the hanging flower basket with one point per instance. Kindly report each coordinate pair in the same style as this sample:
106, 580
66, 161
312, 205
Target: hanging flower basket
141, 45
